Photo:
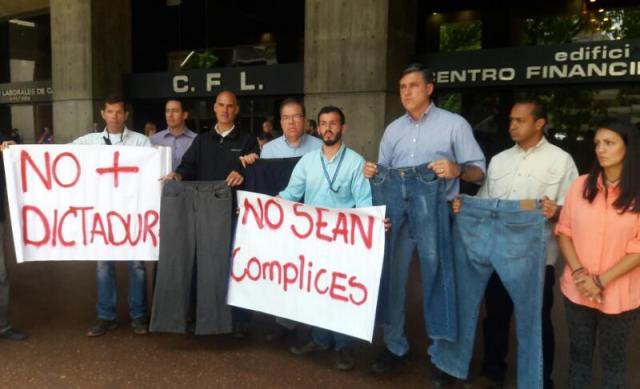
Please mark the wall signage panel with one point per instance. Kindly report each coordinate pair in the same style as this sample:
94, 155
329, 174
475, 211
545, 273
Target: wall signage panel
26, 92
575, 63
286, 79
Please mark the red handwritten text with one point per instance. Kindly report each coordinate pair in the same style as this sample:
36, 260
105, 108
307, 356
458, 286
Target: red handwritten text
116, 169
50, 170
110, 228
349, 228
300, 274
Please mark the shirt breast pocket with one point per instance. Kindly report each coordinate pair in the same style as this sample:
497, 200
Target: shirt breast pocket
548, 181
342, 188
500, 182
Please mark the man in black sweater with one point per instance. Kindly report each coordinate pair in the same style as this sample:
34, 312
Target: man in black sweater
215, 155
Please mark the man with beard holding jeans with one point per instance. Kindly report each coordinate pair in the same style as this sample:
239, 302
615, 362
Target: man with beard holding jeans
330, 177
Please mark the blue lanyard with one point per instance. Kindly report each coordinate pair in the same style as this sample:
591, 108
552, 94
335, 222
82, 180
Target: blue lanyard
331, 181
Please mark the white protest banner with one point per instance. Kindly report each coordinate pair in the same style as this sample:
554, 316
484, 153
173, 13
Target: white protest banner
72, 202
309, 264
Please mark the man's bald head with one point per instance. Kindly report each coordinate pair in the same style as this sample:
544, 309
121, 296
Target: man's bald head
227, 95
226, 110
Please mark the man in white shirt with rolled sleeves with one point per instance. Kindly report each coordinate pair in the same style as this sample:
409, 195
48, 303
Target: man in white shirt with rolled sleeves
114, 113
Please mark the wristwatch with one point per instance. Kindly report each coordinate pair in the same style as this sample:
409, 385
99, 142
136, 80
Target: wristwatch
462, 169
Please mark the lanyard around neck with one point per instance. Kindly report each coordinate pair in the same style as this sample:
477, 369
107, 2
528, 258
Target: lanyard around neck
331, 181
107, 139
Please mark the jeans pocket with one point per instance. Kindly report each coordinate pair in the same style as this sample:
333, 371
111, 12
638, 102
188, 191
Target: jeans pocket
426, 176
222, 194
379, 178
520, 240
172, 189
473, 236
170, 195
468, 226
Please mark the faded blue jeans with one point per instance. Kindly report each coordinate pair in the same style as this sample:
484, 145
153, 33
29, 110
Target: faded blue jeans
108, 290
420, 219
506, 236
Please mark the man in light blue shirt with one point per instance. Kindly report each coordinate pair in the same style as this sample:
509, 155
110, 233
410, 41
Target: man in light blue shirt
429, 135
114, 113
330, 177
293, 142
177, 136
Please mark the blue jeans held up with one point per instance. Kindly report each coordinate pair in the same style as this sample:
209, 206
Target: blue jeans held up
506, 236
108, 290
420, 219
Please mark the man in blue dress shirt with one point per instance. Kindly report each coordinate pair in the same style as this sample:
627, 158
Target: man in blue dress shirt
429, 135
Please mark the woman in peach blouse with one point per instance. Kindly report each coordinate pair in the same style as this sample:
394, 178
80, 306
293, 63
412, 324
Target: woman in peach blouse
598, 234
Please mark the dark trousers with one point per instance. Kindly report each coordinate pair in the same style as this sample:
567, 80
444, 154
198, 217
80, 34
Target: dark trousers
496, 325
4, 283
585, 324
195, 227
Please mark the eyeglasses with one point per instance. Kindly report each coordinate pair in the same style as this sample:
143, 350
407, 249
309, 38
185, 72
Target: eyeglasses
286, 118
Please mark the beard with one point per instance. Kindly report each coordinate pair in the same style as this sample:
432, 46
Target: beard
331, 142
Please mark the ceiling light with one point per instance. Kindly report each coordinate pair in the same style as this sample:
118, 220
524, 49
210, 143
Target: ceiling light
22, 23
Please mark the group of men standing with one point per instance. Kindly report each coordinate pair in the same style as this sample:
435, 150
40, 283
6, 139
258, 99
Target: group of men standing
330, 174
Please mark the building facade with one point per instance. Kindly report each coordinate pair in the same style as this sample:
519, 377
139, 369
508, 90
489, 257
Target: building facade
60, 58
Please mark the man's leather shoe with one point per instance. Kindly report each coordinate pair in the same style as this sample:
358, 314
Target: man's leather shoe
13, 334
386, 361
484, 382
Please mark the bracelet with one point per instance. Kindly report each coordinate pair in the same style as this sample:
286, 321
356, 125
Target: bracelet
598, 282
578, 270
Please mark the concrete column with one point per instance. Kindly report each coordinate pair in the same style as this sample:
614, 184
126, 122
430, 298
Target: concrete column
354, 52
91, 51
